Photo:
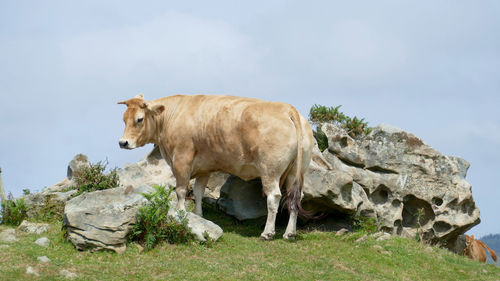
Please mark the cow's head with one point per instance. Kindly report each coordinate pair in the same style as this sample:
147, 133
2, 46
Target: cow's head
140, 125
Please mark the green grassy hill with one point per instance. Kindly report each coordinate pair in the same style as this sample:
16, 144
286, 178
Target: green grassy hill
240, 255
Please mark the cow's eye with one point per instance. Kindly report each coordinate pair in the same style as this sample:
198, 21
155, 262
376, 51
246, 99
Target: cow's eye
140, 120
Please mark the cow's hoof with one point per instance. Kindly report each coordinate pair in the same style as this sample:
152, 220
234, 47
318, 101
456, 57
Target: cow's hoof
266, 236
289, 236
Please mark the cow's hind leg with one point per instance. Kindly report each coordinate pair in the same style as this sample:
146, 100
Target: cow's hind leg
199, 190
272, 191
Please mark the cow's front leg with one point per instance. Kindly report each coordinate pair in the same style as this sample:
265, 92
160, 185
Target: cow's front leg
182, 172
199, 190
272, 191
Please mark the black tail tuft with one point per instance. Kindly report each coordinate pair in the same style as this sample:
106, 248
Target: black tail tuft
293, 201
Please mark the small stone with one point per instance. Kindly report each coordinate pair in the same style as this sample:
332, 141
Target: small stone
341, 232
377, 234
67, 274
485, 271
31, 271
43, 259
384, 237
141, 248
8, 236
387, 253
3, 246
361, 239
31, 227
44, 242
378, 247
429, 249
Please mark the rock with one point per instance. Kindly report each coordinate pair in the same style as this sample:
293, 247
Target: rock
3, 246
429, 249
43, 259
31, 227
152, 170
31, 271
361, 239
242, 199
43, 241
67, 274
399, 175
102, 219
341, 232
47, 203
200, 226
383, 237
377, 247
8, 236
78, 162
50, 202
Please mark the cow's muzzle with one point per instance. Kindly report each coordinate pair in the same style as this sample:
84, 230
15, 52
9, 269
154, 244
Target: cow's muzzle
123, 144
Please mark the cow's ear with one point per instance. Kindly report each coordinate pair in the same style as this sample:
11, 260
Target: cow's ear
155, 109
158, 109
123, 102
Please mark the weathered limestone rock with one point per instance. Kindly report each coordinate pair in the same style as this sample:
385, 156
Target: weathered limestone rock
151, 170
32, 227
411, 186
102, 219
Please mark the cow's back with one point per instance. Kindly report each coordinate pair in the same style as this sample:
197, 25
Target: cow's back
237, 135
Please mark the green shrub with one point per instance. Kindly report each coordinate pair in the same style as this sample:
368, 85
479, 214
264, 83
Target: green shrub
365, 224
93, 178
321, 138
322, 114
154, 225
26, 191
13, 211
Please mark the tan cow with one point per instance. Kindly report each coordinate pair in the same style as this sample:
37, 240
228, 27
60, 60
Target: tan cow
246, 137
475, 249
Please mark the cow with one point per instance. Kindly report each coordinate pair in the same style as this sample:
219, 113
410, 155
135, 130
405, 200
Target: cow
475, 249
246, 137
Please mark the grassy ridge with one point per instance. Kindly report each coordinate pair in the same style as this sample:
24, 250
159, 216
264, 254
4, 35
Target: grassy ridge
240, 255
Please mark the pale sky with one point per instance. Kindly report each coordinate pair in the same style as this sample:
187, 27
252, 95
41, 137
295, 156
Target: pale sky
429, 67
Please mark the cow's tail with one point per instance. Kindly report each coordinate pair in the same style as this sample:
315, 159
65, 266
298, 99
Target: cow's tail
492, 253
294, 193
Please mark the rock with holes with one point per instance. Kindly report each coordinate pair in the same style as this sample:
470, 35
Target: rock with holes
407, 185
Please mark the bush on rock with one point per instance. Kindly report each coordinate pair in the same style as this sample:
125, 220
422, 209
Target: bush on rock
155, 224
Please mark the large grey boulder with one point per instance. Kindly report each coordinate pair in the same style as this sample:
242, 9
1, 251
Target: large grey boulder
103, 219
411, 188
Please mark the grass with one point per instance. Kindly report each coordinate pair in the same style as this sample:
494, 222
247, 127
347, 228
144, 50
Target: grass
240, 255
